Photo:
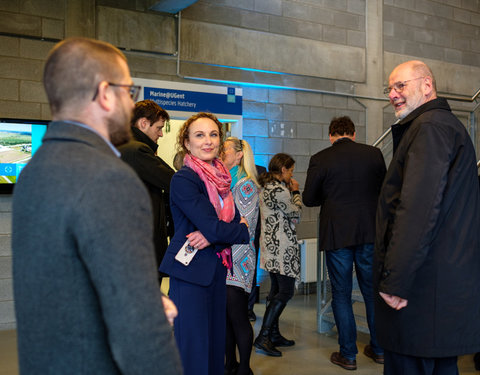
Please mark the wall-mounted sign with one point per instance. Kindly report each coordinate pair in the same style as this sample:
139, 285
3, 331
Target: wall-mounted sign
175, 96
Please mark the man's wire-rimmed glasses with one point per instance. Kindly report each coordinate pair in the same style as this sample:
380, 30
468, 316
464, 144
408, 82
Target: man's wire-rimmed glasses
398, 86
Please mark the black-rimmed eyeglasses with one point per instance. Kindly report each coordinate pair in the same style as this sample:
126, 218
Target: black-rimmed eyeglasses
398, 86
133, 90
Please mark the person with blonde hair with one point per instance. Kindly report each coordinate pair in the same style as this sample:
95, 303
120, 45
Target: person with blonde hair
237, 156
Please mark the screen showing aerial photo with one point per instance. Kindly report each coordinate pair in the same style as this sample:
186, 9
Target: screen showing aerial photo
17, 144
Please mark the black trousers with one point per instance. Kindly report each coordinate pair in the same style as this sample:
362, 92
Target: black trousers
239, 332
399, 364
282, 287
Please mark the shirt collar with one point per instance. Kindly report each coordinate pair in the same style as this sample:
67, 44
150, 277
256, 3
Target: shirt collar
84, 126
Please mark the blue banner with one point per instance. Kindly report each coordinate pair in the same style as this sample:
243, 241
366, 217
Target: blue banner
194, 101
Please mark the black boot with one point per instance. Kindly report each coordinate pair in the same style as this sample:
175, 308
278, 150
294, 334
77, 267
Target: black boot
277, 338
232, 370
263, 342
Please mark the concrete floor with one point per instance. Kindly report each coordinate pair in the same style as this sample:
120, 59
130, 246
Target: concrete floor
309, 356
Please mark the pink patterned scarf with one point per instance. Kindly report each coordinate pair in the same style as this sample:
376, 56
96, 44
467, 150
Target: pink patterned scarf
217, 180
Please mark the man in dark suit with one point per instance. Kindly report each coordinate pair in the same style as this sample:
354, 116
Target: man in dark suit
86, 296
345, 180
140, 153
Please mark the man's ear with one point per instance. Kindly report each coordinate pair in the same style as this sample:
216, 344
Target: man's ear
143, 124
354, 136
105, 97
428, 86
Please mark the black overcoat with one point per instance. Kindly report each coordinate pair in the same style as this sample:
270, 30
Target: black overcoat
156, 175
427, 240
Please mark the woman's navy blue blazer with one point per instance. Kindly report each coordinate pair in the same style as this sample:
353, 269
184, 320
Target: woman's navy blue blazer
191, 210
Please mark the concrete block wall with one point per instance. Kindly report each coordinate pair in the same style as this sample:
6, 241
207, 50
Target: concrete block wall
33, 18
448, 31
318, 39
446, 35
21, 65
320, 46
294, 122
22, 96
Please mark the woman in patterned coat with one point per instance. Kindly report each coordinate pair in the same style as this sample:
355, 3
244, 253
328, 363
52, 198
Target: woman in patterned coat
280, 209
238, 159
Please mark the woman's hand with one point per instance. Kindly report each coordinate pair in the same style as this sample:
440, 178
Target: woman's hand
198, 240
293, 185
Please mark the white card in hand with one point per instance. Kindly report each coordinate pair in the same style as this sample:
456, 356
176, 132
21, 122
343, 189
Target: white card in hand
186, 253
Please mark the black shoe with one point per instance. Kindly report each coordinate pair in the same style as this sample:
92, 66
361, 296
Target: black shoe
251, 316
339, 360
278, 340
378, 358
232, 370
276, 337
263, 345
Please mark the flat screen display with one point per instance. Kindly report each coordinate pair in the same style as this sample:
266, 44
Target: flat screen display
19, 139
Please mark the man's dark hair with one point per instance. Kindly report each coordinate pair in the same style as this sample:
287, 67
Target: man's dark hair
341, 126
150, 110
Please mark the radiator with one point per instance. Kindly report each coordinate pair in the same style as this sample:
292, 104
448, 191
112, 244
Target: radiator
308, 260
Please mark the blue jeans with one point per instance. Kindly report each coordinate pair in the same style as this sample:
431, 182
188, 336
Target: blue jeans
340, 269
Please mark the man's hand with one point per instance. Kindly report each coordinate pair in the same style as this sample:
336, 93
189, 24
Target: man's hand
394, 302
198, 240
170, 309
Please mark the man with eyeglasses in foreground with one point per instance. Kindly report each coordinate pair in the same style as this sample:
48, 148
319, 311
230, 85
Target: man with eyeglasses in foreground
427, 261
86, 296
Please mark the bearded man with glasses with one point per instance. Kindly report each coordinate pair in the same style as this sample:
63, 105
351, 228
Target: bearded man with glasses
427, 263
85, 283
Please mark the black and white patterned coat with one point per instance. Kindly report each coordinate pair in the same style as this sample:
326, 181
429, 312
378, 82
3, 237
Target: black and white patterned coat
280, 211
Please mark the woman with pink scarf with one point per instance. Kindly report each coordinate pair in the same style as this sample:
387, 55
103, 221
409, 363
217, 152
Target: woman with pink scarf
204, 215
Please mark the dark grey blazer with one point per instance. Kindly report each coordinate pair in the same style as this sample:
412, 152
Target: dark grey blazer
85, 286
345, 179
